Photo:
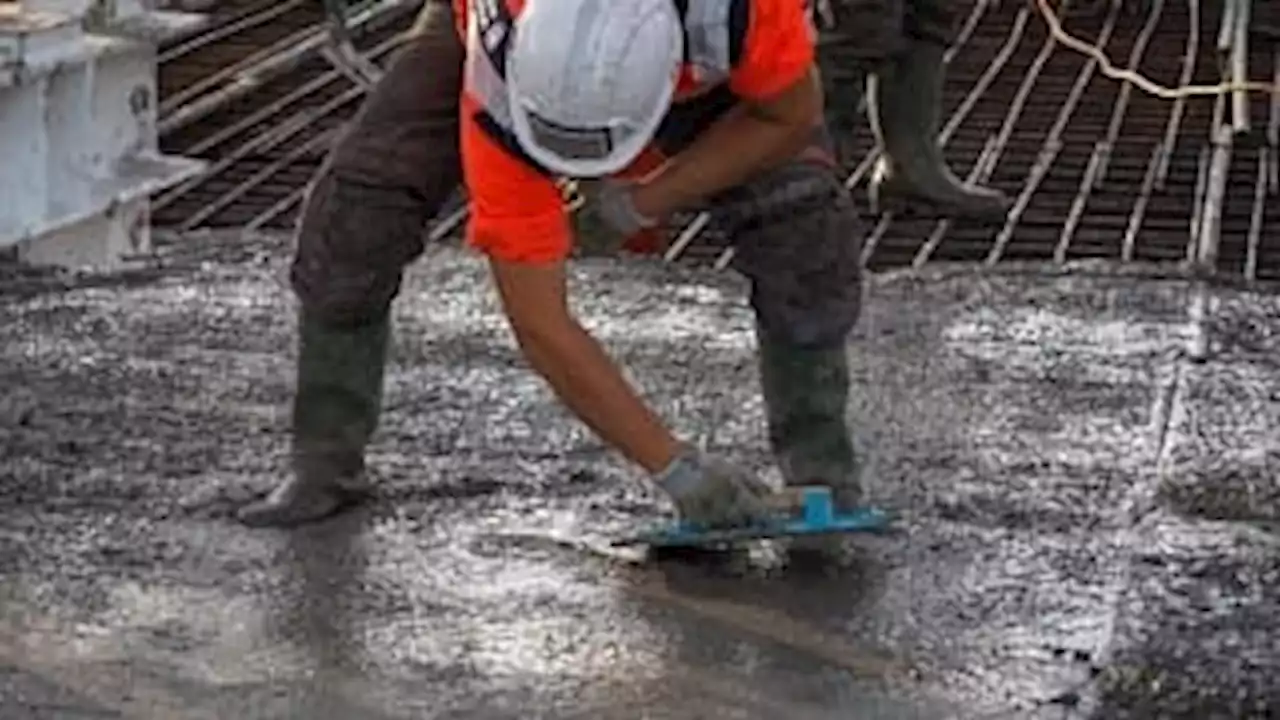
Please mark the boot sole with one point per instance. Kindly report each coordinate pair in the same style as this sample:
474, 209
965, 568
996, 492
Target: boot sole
261, 515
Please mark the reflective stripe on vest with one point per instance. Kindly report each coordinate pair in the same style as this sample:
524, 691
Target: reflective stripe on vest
714, 33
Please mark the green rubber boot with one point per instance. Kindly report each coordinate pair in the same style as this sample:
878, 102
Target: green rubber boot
335, 411
905, 107
806, 393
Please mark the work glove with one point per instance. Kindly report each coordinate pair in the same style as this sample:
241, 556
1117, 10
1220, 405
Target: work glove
713, 493
615, 206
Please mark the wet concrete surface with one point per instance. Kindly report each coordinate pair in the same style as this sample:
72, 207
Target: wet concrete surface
1089, 518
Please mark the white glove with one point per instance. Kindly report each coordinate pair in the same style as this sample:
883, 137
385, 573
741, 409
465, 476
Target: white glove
714, 493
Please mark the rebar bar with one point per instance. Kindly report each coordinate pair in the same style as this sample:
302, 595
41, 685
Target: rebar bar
1116, 171
254, 17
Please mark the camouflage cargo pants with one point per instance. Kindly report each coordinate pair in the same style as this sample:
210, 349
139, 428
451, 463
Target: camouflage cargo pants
390, 172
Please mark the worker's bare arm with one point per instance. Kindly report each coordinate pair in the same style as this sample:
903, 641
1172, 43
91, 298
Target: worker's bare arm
576, 366
753, 137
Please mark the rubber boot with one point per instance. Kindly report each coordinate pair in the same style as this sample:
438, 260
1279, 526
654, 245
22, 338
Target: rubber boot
905, 107
806, 393
335, 411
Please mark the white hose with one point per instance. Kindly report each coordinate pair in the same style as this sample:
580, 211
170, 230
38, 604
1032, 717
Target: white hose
1139, 81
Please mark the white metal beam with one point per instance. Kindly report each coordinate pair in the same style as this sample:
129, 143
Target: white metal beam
78, 138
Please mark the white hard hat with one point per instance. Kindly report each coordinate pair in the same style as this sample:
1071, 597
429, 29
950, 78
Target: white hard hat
589, 81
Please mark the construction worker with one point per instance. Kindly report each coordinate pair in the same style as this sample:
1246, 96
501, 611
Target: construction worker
667, 106
897, 48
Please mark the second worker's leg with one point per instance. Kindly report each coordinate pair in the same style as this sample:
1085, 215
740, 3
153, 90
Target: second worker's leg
363, 222
905, 106
854, 36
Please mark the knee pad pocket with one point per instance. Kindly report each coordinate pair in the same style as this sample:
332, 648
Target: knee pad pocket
353, 244
803, 257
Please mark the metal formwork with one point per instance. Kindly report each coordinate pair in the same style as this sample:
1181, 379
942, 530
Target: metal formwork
77, 129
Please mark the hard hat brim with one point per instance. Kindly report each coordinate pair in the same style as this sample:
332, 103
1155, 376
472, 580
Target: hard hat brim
622, 154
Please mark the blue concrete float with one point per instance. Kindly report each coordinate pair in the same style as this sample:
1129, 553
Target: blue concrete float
816, 516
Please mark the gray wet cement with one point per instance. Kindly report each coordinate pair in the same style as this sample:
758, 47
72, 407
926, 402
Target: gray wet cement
1089, 517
